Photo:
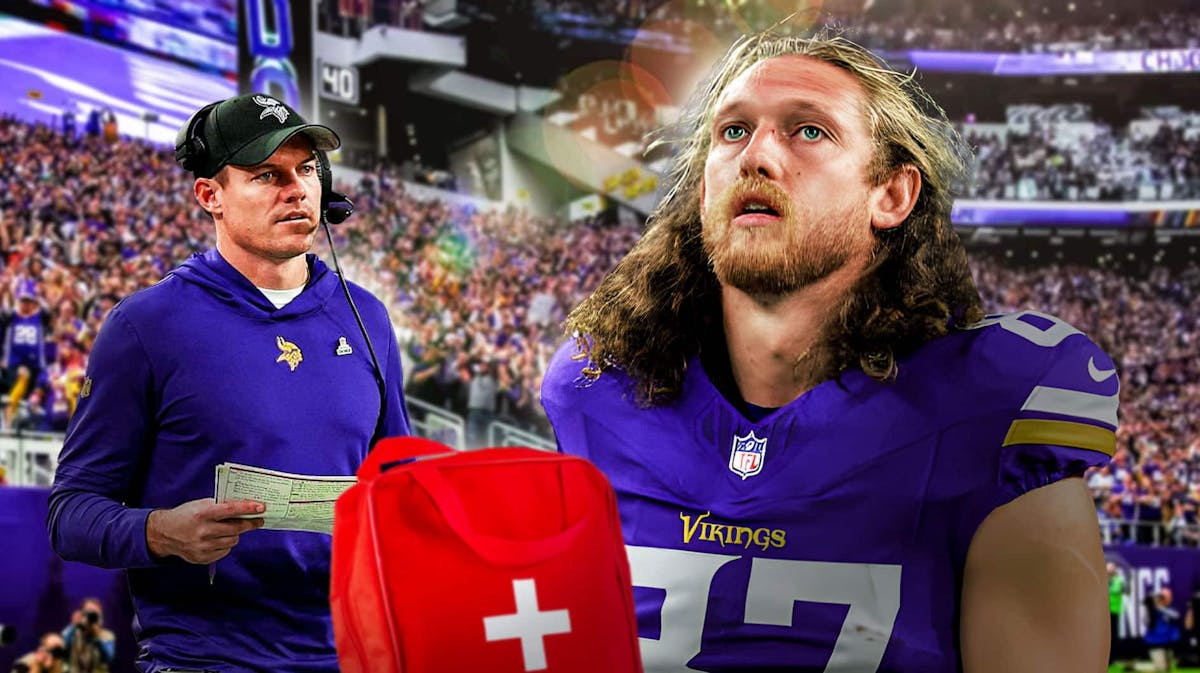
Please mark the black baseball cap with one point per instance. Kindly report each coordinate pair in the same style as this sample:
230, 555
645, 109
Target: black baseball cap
246, 131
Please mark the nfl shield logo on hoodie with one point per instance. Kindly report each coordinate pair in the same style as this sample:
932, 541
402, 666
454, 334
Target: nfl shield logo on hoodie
748, 454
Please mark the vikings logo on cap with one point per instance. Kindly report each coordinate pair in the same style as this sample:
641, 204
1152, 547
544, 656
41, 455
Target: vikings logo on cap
273, 108
748, 454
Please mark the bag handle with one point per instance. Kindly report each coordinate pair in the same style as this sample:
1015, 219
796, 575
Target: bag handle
495, 549
392, 451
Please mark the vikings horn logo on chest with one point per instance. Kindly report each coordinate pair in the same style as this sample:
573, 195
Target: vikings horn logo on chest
290, 353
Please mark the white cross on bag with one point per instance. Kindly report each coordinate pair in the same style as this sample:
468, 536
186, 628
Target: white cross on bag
529, 624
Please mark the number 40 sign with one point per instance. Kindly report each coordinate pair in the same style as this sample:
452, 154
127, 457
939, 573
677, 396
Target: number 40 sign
339, 82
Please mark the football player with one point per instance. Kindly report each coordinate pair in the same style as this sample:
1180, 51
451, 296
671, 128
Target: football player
827, 458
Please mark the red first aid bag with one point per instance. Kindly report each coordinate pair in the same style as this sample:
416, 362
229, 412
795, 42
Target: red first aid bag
498, 560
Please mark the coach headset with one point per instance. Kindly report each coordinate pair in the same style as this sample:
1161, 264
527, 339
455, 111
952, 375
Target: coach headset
191, 152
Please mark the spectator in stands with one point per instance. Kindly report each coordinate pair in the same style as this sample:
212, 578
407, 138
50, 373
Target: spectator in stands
26, 333
411, 15
482, 390
1150, 511
1113, 529
91, 648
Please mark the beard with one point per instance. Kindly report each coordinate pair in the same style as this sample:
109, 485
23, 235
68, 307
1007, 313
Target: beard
799, 250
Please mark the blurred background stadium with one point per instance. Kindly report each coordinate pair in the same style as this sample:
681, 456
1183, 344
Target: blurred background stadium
498, 153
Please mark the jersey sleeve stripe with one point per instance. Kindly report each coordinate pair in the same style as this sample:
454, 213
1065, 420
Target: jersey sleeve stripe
1101, 408
1062, 433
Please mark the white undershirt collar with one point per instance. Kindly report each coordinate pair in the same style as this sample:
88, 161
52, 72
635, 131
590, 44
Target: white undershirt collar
281, 298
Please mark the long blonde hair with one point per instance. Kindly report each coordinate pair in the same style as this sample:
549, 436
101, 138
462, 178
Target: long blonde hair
661, 303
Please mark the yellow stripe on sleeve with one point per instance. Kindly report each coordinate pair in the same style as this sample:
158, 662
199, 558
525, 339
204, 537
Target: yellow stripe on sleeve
1062, 433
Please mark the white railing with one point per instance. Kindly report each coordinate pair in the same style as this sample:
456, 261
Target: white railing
503, 434
30, 458
1149, 533
436, 423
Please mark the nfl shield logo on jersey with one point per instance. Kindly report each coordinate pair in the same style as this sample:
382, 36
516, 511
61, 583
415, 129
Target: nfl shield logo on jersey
747, 456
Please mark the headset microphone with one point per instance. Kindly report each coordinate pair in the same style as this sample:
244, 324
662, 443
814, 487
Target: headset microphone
335, 206
339, 209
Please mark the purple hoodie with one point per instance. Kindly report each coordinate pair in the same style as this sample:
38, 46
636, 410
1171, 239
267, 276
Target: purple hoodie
191, 373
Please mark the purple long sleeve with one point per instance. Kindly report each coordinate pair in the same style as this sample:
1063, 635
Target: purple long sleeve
105, 443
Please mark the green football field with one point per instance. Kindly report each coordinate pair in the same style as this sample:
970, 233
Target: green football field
1145, 666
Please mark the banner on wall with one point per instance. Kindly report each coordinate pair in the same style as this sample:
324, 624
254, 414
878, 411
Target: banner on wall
1147, 570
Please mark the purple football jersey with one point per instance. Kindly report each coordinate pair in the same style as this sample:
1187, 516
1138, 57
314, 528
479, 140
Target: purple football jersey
831, 535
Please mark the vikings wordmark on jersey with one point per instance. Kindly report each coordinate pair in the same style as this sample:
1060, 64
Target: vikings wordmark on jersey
844, 551
729, 534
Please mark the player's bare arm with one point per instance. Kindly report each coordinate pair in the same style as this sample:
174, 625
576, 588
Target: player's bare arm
1034, 589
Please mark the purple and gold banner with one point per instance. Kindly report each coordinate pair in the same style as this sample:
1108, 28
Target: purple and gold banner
1070, 62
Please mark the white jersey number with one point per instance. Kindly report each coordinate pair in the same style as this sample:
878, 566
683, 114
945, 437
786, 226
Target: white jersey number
1047, 338
26, 335
871, 590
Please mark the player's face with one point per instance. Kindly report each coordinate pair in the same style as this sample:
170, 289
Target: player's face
271, 210
784, 196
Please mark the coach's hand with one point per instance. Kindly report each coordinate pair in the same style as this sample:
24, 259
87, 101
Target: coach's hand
200, 531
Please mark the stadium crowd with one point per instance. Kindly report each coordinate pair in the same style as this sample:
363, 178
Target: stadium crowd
351, 18
83, 223
480, 294
1105, 165
477, 297
1025, 32
1022, 26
